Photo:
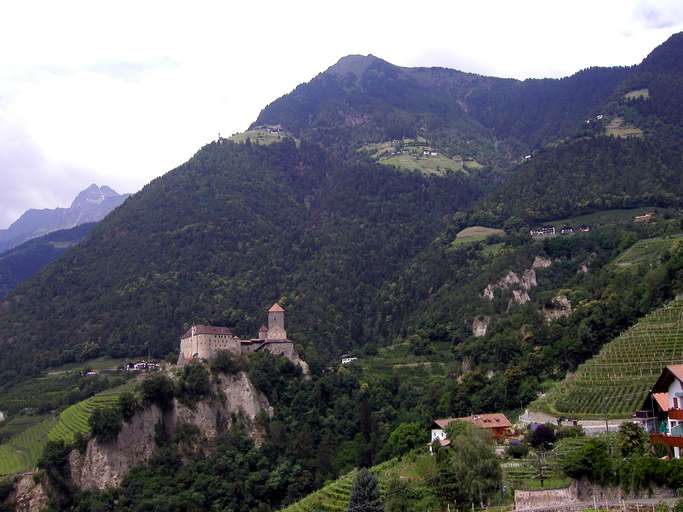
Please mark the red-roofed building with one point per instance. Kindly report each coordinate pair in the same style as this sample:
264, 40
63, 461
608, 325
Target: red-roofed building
497, 424
662, 412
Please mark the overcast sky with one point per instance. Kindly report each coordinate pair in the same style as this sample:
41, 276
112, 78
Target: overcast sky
118, 93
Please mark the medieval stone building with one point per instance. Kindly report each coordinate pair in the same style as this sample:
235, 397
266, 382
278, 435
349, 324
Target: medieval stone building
204, 341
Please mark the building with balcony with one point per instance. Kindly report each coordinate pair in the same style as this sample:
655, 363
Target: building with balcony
662, 412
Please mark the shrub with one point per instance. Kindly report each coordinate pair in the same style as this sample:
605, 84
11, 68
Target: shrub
195, 382
632, 439
128, 405
404, 438
105, 423
591, 461
565, 432
225, 362
6, 487
517, 450
365, 493
543, 436
158, 389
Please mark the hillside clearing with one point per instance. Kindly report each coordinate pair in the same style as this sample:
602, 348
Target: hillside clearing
648, 251
603, 218
637, 94
618, 127
476, 234
264, 137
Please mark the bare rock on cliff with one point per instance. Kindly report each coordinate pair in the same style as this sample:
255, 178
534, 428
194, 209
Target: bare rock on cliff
560, 307
105, 465
541, 262
238, 397
28, 494
480, 325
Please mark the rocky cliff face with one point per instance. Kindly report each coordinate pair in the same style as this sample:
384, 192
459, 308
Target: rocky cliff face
105, 465
28, 495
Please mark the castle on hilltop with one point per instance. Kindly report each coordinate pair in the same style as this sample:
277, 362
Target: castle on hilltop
204, 341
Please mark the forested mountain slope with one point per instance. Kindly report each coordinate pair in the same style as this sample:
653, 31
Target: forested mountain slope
494, 120
325, 230
639, 162
220, 238
25, 260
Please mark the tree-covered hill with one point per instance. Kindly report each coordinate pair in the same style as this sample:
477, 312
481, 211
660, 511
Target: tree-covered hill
219, 239
592, 174
27, 259
493, 120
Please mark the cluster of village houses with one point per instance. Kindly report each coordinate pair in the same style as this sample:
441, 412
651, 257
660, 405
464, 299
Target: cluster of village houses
543, 231
548, 230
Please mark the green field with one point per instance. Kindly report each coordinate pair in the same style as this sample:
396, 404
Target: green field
261, 137
637, 94
22, 451
604, 218
648, 252
616, 381
430, 165
98, 364
408, 155
475, 234
617, 127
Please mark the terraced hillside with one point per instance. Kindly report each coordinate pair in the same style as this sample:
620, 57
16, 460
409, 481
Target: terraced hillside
334, 497
22, 451
615, 382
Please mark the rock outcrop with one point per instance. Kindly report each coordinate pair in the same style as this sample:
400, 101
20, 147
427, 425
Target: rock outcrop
518, 283
28, 495
105, 465
560, 307
480, 326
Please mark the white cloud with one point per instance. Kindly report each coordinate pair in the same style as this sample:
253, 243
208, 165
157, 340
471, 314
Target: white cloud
124, 91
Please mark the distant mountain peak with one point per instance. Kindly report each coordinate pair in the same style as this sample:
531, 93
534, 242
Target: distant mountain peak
93, 195
354, 64
90, 205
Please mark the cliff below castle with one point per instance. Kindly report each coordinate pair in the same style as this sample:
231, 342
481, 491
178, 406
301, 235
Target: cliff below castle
104, 465
98, 465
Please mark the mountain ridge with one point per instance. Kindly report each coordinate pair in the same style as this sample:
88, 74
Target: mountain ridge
90, 205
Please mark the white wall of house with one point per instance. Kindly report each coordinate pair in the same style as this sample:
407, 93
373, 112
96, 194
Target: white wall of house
438, 433
675, 398
676, 391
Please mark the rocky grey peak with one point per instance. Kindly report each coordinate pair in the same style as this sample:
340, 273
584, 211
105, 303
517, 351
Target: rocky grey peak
91, 205
93, 195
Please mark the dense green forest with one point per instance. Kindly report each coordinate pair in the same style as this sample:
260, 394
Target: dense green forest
23, 261
492, 120
218, 240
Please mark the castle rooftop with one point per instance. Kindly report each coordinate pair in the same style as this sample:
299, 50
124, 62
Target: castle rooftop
207, 329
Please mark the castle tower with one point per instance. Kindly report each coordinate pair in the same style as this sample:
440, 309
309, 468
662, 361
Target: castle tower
276, 323
263, 332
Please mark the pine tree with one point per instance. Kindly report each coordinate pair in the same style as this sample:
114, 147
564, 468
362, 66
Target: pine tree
365, 494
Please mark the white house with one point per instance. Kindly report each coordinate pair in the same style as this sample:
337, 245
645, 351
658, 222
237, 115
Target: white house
662, 412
